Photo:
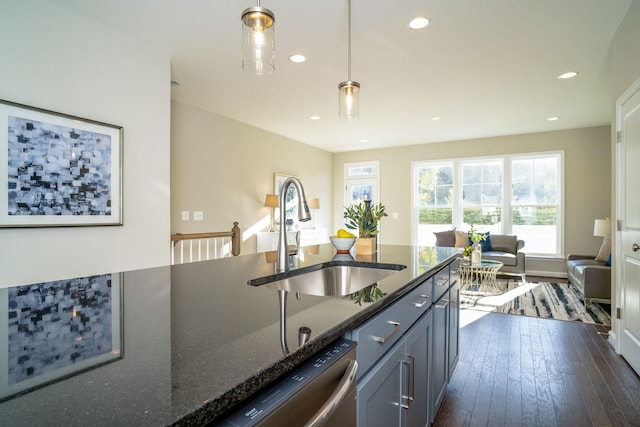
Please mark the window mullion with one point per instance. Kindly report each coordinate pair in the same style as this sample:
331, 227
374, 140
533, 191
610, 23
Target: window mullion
507, 207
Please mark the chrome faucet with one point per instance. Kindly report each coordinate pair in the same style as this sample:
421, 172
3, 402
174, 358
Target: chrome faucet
303, 215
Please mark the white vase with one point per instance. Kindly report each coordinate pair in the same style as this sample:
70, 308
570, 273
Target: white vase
476, 255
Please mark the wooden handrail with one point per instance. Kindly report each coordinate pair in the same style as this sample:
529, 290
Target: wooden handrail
234, 234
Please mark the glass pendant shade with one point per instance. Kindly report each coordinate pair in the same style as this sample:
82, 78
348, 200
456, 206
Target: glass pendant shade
258, 40
349, 100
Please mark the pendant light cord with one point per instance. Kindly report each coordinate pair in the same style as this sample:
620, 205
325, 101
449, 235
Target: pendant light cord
349, 46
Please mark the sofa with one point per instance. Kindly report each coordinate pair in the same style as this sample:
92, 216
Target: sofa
590, 276
498, 247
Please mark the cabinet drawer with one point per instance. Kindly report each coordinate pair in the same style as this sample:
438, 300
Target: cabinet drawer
440, 283
380, 333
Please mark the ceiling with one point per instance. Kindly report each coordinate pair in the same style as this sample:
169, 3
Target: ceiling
485, 68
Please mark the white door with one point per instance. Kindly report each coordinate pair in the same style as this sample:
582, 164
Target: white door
628, 256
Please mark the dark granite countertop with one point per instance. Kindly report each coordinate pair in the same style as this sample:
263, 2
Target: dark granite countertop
185, 343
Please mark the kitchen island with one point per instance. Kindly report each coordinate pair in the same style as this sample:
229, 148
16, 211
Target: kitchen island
194, 340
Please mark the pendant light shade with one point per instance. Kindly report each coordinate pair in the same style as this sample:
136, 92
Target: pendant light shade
258, 40
349, 91
349, 100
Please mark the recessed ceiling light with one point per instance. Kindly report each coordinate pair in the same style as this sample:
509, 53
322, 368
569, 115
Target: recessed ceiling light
315, 117
297, 58
364, 141
568, 75
418, 23
553, 118
436, 118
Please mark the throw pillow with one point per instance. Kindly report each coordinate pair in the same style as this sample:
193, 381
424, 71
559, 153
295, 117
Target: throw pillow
485, 244
445, 238
462, 239
608, 261
605, 249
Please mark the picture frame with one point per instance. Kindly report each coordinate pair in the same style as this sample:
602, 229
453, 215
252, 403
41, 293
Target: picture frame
61, 170
76, 328
291, 197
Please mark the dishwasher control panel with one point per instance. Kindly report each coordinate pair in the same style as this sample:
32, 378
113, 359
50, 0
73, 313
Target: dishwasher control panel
279, 393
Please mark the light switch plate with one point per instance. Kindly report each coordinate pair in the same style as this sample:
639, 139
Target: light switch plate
198, 215
185, 215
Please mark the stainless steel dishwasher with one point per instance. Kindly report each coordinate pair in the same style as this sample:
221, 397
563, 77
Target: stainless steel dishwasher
321, 392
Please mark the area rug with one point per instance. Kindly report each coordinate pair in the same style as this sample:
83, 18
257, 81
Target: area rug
544, 299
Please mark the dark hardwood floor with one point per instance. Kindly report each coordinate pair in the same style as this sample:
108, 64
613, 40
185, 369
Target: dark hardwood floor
524, 371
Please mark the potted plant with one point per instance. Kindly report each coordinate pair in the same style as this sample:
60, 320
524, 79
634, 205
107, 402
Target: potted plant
476, 237
466, 255
364, 217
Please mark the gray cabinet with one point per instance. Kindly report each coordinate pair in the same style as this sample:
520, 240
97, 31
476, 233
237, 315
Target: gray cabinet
407, 353
396, 390
439, 361
454, 326
380, 392
418, 350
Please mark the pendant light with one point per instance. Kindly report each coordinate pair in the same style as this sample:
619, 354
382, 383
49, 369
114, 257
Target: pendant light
258, 40
349, 91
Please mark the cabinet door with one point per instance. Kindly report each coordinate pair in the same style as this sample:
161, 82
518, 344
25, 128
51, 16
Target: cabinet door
417, 387
454, 327
439, 364
380, 391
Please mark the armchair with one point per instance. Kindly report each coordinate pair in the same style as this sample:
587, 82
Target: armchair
506, 249
590, 277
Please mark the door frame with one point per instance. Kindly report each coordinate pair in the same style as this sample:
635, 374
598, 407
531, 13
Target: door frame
617, 249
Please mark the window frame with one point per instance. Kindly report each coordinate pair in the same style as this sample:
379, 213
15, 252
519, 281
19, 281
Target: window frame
506, 223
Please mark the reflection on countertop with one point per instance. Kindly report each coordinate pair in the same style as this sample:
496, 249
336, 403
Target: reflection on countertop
198, 340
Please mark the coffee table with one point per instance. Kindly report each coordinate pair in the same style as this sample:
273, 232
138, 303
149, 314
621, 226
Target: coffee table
482, 277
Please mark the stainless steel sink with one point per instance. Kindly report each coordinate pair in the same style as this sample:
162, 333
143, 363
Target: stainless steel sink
329, 279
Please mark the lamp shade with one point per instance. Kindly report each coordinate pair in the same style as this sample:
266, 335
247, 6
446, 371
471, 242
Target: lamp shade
271, 201
258, 40
349, 99
602, 227
314, 203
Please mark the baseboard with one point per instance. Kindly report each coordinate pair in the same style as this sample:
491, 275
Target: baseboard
613, 340
539, 273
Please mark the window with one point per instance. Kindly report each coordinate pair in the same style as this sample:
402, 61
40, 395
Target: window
519, 195
435, 195
361, 182
482, 188
535, 202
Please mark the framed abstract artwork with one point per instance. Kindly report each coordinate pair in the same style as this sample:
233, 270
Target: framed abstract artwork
54, 330
61, 170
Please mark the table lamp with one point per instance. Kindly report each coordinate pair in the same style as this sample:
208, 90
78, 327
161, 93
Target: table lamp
272, 201
602, 227
315, 205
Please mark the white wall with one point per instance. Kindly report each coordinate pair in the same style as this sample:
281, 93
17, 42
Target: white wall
56, 60
587, 184
225, 169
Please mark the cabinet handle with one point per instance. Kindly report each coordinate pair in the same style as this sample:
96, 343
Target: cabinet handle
413, 377
381, 340
338, 395
405, 402
421, 304
441, 281
411, 381
443, 303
